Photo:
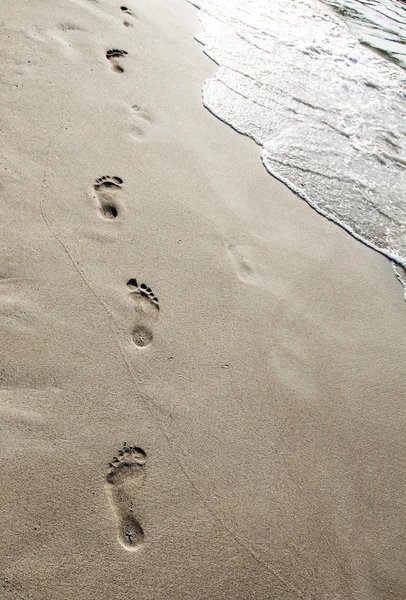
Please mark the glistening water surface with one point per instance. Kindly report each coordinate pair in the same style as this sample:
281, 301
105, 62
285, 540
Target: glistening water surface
380, 24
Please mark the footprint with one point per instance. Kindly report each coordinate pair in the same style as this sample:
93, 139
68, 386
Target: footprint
147, 310
125, 476
106, 189
114, 56
128, 21
243, 260
141, 123
69, 27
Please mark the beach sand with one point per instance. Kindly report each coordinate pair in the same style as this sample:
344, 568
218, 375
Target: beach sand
258, 388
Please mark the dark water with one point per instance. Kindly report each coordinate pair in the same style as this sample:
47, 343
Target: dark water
379, 24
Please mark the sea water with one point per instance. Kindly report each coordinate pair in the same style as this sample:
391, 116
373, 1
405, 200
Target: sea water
379, 24
303, 81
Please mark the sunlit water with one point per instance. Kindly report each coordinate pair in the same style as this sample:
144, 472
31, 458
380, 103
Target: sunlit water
329, 112
380, 24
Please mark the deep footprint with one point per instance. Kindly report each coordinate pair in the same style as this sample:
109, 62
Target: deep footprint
106, 189
142, 290
114, 57
125, 476
147, 310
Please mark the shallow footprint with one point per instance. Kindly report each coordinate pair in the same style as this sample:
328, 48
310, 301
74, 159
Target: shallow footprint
244, 264
125, 476
147, 310
142, 121
114, 56
106, 188
69, 27
128, 21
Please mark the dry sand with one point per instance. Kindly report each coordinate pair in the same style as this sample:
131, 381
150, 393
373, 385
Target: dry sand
266, 397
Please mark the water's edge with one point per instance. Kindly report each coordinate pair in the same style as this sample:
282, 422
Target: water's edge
210, 94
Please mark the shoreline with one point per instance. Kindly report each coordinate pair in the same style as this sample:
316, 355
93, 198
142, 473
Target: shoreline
327, 158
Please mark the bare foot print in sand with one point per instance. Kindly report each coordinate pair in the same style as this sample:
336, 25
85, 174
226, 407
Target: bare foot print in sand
115, 56
106, 188
125, 476
142, 121
147, 312
129, 16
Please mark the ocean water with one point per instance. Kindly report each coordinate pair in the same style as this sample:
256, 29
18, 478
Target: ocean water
379, 24
302, 80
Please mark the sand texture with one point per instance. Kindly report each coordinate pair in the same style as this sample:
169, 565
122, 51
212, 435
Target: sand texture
202, 391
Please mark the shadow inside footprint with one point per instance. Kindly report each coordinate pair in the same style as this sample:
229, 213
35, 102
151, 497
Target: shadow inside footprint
125, 476
114, 56
110, 211
105, 188
128, 21
108, 182
143, 290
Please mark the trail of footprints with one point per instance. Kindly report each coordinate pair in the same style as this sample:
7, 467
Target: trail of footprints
146, 303
126, 472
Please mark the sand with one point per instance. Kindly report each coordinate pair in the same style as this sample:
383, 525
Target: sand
160, 291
